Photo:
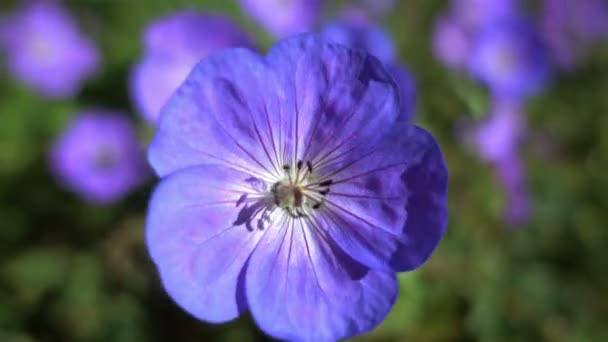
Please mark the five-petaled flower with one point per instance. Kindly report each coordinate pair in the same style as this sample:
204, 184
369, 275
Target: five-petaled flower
290, 189
46, 50
99, 156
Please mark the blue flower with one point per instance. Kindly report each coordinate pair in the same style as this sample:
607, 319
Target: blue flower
451, 42
290, 190
498, 141
173, 45
283, 18
45, 49
99, 157
511, 59
571, 27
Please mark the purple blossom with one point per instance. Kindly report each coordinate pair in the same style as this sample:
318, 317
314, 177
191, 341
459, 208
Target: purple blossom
511, 175
46, 51
283, 18
499, 136
498, 142
99, 157
378, 7
477, 15
458, 28
290, 190
451, 42
357, 31
570, 26
173, 45
511, 59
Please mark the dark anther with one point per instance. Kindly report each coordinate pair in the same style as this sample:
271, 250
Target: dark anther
324, 192
241, 199
309, 166
299, 165
316, 205
274, 190
286, 167
326, 183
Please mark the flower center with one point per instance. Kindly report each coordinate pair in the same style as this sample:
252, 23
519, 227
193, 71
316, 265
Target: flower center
288, 195
300, 192
105, 159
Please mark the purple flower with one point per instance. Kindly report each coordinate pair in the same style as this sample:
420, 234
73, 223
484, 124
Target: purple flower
512, 178
358, 32
451, 42
457, 28
499, 136
511, 59
476, 15
173, 45
571, 26
283, 18
378, 7
498, 142
99, 157
46, 51
289, 189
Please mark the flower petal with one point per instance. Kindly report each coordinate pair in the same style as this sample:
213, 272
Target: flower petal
223, 113
388, 208
339, 98
196, 241
302, 288
426, 181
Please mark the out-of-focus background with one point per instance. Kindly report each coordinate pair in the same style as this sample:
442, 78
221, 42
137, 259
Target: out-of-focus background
515, 92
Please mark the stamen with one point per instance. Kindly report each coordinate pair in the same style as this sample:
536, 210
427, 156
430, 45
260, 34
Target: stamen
299, 165
326, 183
324, 192
241, 199
309, 166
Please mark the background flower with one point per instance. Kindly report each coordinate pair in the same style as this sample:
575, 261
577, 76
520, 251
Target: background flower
99, 157
510, 58
499, 141
46, 50
283, 18
172, 46
570, 28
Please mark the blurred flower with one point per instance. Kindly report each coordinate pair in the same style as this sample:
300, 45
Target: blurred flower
458, 27
99, 157
358, 31
45, 49
512, 177
499, 136
354, 29
451, 42
378, 7
172, 46
476, 15
283, 18
289, 189
570, 27
511, 59
498, 142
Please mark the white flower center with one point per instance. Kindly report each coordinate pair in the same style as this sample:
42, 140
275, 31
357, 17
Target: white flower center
300, 192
